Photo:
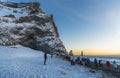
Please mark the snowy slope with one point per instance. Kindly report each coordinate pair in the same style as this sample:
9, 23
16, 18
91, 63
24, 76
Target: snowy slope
21, 62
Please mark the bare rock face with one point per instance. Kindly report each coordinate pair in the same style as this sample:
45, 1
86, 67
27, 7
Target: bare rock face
26, 24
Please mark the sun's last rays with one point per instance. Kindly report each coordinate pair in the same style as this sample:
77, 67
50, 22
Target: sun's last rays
97, 52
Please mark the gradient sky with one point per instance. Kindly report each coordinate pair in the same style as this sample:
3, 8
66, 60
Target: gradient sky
86, 24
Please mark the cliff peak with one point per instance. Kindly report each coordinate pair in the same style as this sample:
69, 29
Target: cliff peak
26, 24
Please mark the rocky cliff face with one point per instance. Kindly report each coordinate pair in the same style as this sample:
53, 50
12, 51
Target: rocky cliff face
26, 24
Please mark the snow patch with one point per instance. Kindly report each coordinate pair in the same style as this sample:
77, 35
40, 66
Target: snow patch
22, 62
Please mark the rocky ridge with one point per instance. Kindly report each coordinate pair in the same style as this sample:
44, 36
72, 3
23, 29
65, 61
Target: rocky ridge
28, 25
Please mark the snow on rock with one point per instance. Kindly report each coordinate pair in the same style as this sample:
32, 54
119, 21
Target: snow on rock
26, 24
22, 62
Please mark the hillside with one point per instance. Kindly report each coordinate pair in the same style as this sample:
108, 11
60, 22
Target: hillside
28, 25
22, 62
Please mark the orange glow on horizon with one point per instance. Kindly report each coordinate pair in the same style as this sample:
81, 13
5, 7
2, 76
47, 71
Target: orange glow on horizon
96, 52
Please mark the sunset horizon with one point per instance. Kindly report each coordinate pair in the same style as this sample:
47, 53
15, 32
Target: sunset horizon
60, 38
86, 24
96, 52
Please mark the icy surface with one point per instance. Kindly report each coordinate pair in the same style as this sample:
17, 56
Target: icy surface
22, 62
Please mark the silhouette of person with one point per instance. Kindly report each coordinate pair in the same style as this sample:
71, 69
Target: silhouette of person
95, 62
45, 58
115, 66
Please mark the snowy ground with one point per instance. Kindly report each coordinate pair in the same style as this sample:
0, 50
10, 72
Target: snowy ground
21, 62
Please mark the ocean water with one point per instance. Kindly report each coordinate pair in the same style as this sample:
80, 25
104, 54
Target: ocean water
105, 58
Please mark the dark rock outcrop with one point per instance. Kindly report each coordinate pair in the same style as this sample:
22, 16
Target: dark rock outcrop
26, 24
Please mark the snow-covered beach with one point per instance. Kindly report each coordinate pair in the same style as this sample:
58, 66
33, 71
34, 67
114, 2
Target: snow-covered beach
22, 62
27, 24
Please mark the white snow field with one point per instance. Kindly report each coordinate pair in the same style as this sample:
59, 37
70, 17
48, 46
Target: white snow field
22, 62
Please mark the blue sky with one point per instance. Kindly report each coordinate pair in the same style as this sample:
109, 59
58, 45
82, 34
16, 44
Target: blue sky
86, 24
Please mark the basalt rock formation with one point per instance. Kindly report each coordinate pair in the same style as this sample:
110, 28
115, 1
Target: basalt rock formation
28, 25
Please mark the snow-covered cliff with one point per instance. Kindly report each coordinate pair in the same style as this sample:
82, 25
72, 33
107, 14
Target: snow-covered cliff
26, 24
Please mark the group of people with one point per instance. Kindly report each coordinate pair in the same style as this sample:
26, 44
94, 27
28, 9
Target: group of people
97, 64
109, 65
85, 61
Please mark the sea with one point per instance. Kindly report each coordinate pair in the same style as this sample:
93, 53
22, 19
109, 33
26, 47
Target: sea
105, 58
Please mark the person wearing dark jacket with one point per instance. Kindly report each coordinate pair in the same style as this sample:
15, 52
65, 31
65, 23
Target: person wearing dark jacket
96, 63
45, 58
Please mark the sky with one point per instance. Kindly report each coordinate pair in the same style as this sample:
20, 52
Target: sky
89, 25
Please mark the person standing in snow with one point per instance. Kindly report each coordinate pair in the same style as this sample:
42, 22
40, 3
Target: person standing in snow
45, 58
100, 63
96, 63
108, 64
72, 59
88, 61
115, 66
83, 61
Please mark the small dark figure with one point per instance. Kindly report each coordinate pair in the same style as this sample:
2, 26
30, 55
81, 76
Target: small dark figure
115, 66
72, 60
83, 61
100, 63
96, 63
108, 64
45, 58
77, 60
88, 61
